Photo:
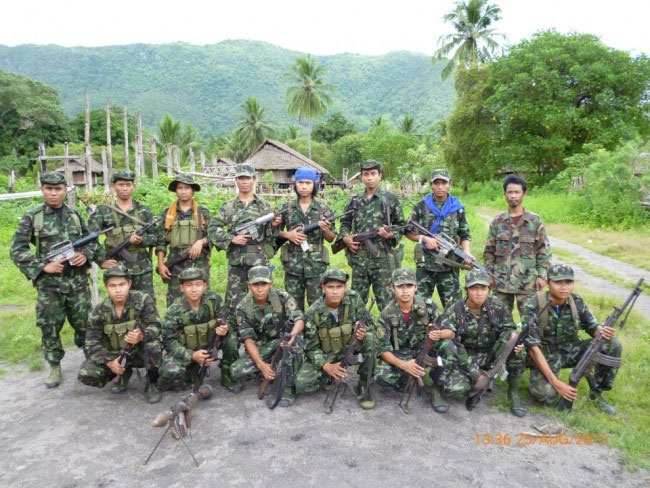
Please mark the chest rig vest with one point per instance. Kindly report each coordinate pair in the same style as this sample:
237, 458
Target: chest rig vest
117, 332
333, 339
197, 336
183, 233
548, 334
421, 319
484, 324
119, 233
38, 225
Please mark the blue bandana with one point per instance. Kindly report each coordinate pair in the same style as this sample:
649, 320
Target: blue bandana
451, 205
307, 174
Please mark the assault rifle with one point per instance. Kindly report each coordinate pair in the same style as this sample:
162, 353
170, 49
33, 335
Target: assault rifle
121, 249
592, 355
125, 355
350, 357
281, 360
250, 226
308, 229
365, 239
67, 249
214, 343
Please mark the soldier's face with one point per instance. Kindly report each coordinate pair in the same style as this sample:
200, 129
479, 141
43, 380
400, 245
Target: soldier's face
53, 194
260, 290
371, 178
184, 192
440, 188
245, 183
193, 289
118, 288
477, 294
514, 194
334, 292
305, 187
404, 293
123, 189
560, 290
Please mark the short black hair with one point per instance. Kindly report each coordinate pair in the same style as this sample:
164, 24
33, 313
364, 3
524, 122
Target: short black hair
314, 191
514, 180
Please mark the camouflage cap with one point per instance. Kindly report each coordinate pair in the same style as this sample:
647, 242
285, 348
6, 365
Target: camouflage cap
52, 178
370, 164
476, 277
334, 274
187, 179
118, 270
189, 274
123, 174
440, 174
557, 272
259, 274
244, 169
403, 276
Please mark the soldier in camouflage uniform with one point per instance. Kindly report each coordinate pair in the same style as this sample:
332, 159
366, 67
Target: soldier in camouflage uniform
243, 253
330, 322
401, 331
553, 344
479, 327
439, 212
304, 267
62, 287
517, 250
261, 318
185, 226
373, 209
126, 317
127, 216
186, 331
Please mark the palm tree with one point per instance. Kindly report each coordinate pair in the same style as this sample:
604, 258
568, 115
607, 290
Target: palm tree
309, 96
292, 132
236, 147
407, 126
169, 131
378, 121
253, 126
474, 41
173, 132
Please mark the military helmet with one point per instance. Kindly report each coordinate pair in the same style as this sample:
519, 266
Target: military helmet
123, 174
560, 271
476, 277
189, 274
52, 178
403, 276
117, 270
259, 274
187, 179
334, 274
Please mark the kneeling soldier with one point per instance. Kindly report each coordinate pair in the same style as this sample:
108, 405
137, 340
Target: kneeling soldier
401, 331
554, 344
186, 331
478, 328
330, 322
124, 326
261, 318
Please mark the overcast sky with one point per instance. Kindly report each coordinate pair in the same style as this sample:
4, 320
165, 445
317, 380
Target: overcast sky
323, 27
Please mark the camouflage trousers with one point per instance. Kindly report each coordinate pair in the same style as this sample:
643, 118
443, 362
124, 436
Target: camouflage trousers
236, 288
602, 376
52, 308
245, 369
310, 380
462, 366
298, 285
508, 300
389, 375
173, 286
149, 357
376, 273
446, 282
144, 283
175, 372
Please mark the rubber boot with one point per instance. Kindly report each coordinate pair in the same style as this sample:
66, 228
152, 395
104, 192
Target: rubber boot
153, 393
597, 396
516, 406
123, 383
365, 397
288, 397
54, 379
438, 401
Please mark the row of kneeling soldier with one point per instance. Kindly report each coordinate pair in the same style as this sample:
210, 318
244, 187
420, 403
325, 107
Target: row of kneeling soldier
124, 333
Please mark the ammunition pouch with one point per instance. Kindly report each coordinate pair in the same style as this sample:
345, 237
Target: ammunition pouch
116, 333
197, 336
334, 339
183, 234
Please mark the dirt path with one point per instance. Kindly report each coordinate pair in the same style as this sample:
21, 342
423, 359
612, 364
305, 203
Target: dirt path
80, 436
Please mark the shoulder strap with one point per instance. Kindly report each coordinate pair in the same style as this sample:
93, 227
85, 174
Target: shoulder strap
542, 300
458, 311
385, 210
211, 308
274, 298
574, 315
37, 223
227, 211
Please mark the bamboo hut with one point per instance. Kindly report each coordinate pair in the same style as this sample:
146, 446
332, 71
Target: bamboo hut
78, 168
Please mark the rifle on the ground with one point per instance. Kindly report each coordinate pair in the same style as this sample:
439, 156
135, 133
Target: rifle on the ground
365, 238
125, 355
250, 226
308, 229
67, 249
281, 361
448, 245
350, 357
214, 343
423, 359
486, 379
592, 354
121, 249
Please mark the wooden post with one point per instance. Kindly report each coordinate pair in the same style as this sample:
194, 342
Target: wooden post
168, 158
69, 181
138, 162
154, 160
109, 146
139, 144
192, 161
177, 158
127, 165
12, 181
202, 162
107, 183
41, 154
88, 152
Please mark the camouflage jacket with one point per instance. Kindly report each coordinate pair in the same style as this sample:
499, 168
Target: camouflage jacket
313, 262
561, 331
105, 217
265, 323
319, 317
517, 254
494, 324
179, 314
454, 225
72, 227
221, 232
382, 209
411, 335
138, 305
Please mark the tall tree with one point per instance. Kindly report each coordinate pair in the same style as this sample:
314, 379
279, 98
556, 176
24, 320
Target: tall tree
236, 147
173, 132
333, 129
473, 41
253, 127
378, 121
309, 96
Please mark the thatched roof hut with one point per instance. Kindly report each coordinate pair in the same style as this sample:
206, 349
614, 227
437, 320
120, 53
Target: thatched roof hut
78, 168
283, 161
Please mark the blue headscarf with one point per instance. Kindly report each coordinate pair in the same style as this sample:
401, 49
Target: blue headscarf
307, 174
451, 205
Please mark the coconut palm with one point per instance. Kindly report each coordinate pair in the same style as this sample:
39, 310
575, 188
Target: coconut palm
236, 147
407, 125
292, 132
253, 127
378, 121
474, 41
309, 96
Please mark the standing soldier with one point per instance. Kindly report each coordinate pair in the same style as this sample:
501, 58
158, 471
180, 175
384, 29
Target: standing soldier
517, 250
401, 331
127, 318
242, 251
330, 322
62, 287
554, 344
373, 209
443, 213
261, 319
305, 258
127, 216
185, 233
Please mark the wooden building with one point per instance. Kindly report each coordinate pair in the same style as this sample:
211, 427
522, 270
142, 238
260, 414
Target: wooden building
78, 168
